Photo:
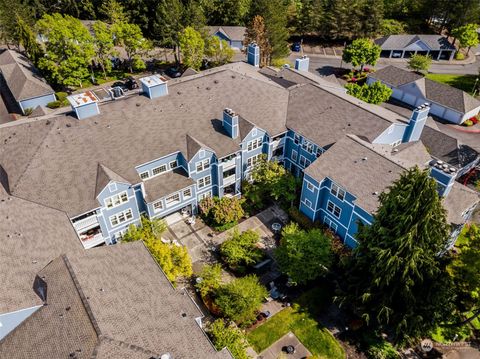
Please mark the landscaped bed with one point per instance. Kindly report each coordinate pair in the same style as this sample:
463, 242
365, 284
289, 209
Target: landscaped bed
299, 319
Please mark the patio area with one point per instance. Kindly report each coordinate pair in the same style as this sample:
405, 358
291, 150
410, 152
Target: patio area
289, 339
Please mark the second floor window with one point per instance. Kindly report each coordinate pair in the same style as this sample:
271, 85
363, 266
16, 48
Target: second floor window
187, 193
173, 199
203, 165
296, 139
159, 170
294, 156
158, 206
253, 145
116, 200
121, 217
337, 192
252, 160
334, 209
205, 181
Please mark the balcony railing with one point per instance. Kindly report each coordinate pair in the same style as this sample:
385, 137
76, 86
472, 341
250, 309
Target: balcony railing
228, 164
229, 180
278, 143
86, 223
92, 241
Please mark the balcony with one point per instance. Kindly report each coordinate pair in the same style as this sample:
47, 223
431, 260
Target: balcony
90, 241
229, 180
86, 223
228, 164
278, 143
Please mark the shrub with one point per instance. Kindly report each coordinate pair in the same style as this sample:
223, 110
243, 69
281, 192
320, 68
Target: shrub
138, 64
300, 218
240, 299
211, 276
228, 336
28, 111
459, 56
222, 213
375, 93
477, 184
54, 104
240, 249
61, 95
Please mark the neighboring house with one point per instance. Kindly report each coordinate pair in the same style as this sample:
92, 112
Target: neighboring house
159, 154
21, 80
405, 46
446, 102
110, 302
234, 35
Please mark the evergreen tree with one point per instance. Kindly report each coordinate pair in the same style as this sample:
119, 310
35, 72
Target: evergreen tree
396, 276
113, 12
274, 13
27, 39
167, 24
11, 12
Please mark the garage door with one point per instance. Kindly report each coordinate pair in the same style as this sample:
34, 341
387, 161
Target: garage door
437, 110
452, 116
397, 94
410, 99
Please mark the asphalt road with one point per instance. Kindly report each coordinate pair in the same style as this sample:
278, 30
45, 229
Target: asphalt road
327, 65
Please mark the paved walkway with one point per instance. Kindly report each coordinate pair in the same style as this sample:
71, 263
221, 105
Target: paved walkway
274, 351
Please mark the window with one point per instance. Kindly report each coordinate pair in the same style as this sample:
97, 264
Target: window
307, 162
187, 193
173, 164
334, 209
303, 161
205, 181
310, 186
121, 217
144, 175
294, 156
159, 170
319, 152
173, 199
296, 139
203, 165
207, 194
307, 146
308, 203
252, 160
157, 206
116, 200
337, 192
253, 145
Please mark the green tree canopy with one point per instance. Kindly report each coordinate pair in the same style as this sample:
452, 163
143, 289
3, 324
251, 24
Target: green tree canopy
168, 24
465, 269
211, 276
222, 211
113, 12
303, 255
192, 46
240, 249
392, 27
419, 63
361, 52
241, 298
68, 49
218, 51
396, 276
14, 13
174, 260
228, 336
227, 12
375, 93
130, 37
104, 46
466, 35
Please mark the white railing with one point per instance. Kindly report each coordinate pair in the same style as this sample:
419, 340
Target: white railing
278, 143
93, 241
229, 180
228, 164
87, 222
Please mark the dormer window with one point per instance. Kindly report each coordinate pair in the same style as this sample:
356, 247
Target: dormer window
159, 170
173, 165
144, 175
253, 145
203, 165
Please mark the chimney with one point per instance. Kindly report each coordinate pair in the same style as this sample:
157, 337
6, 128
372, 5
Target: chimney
417, 122
154, 86
302, 63
230, 122
445, 176
253, 54
84, 104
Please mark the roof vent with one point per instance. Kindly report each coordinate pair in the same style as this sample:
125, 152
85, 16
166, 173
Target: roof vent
364, 158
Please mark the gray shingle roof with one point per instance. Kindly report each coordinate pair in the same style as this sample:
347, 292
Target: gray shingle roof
93, 311
104, 176
234, 33
166, 183
31, 235
22, 78
434, 91
399, 42
460, 199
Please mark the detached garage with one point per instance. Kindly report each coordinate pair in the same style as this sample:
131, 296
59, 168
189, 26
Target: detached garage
446, 102
405, 46
23, 82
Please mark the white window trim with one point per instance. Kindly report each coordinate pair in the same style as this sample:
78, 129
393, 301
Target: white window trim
119, 195
171, 204
335, 191
156, 210
333, 210
204, 195
170, 164
143, 173
253, 160
203, 179
158, 167
294, 155
310, 186
204, 165
183, 193
116, 215
308, 203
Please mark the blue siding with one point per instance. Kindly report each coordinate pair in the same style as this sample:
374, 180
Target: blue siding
254, 134
211, 171
36, 101
87, 110
11, 320
149, 166
184, 202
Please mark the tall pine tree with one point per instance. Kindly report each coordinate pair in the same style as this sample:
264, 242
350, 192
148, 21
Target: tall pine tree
396, 277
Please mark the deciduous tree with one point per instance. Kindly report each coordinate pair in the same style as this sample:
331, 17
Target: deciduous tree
419, 63
228, 336
211, 276
396, 276
68, 49
218, 51
466, 35
361, 52
240, 249
192, 46
304, 255
375, 93
104, 46
113, 12
130, 37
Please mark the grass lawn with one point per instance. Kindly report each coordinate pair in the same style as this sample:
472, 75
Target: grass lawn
300, 319
462, 82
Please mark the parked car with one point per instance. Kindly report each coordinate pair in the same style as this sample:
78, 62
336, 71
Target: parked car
173, 72
131, 83
296, 47
120, 84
